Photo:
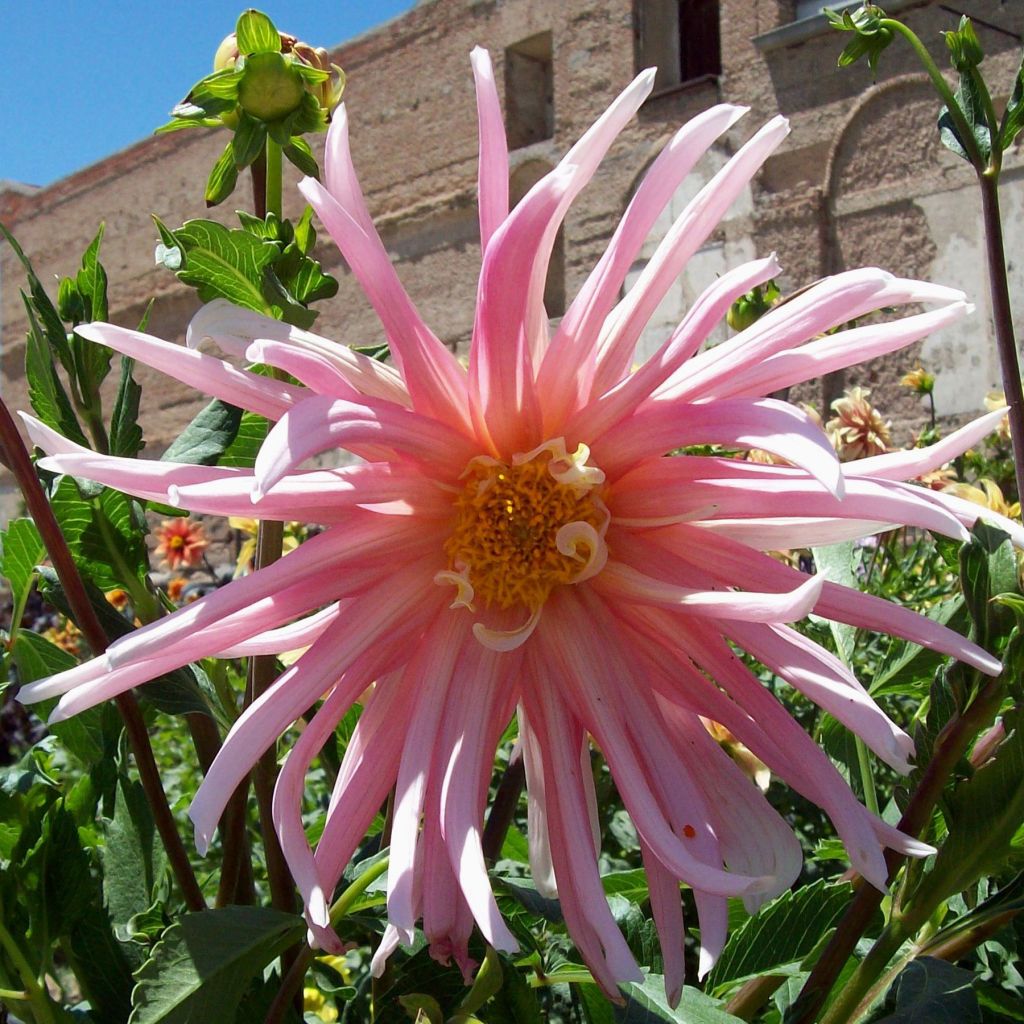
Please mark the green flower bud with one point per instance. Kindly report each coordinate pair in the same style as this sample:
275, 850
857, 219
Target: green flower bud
271, 86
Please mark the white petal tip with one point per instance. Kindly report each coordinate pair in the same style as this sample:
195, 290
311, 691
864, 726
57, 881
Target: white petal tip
705, 963
59, 714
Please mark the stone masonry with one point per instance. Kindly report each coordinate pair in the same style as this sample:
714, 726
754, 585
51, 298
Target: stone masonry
862, 178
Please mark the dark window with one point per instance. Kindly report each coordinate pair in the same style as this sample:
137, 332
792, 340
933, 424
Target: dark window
678, 37
529, 91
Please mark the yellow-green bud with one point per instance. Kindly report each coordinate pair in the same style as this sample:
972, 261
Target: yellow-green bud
271, 86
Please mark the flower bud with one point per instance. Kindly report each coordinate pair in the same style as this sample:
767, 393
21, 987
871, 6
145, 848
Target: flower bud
271, 86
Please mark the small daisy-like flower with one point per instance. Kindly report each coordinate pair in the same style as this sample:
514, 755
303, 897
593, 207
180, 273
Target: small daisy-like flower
996, 401
919, 380
516, 542
175, 588
857, 429
988, 494
181, 542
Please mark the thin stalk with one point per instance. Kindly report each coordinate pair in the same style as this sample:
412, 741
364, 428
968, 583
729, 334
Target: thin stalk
291, 983
35, 993
17, 459
1002, 319
503, 807
950, 746
274, 192
867, 776
942, 88
752, 995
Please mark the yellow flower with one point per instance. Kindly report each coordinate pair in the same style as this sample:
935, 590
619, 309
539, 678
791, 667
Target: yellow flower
919, 380
857, 430
247, 552
997, 400
313, 1001
988, 494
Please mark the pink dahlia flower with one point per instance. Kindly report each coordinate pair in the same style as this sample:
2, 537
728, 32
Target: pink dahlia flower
515, 541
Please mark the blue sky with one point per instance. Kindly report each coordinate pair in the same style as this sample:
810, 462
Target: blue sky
81, 79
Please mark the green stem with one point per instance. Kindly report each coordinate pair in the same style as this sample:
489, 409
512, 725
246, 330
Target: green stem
867, 776
292, 980
14, 996
949, 747
1002, 319
35, 993
942, 88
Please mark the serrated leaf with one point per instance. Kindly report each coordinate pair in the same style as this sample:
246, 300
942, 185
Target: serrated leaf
46, 393
983, 814
125, 432
221, 181
908, 668
55, 335
223, 263
207, 437
92, 280
930, 991
22, 550
204, 963
1013, 117
646, 1004
244, 447
102, 534
256, 33
133, 857
835, 563
781, 933
968, 100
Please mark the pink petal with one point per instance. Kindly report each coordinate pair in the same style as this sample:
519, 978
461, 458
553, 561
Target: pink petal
693, 226
233, 329
709, 309
492, 175
263, 395
287, 638
623, 582
775, 426
321, 423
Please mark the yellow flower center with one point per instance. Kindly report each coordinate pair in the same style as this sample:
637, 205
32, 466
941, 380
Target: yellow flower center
177, 541
525, 527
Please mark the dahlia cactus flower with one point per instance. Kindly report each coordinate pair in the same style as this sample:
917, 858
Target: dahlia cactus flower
514, 541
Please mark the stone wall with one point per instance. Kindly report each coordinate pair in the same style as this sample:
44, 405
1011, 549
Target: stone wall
862, 178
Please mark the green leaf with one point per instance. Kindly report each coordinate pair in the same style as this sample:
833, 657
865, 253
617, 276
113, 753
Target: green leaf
908, 668
92, 280
968, 100
248, 140
305, 233
930, 991
125, 432
222, 263
631, 885
207, 437
205, 962
298, 151
46, 393
223, 178
133, 857
256, 33
781, 934
103, 534
22, 550
645, 1004
835, 562
55, 335
1013, 117
244, 447
982, 815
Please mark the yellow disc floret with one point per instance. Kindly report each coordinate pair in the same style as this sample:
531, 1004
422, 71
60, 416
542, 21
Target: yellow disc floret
524, 527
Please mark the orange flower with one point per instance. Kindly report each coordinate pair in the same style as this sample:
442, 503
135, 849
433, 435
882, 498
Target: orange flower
182, 542
174, 588
118, 598
857, 430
